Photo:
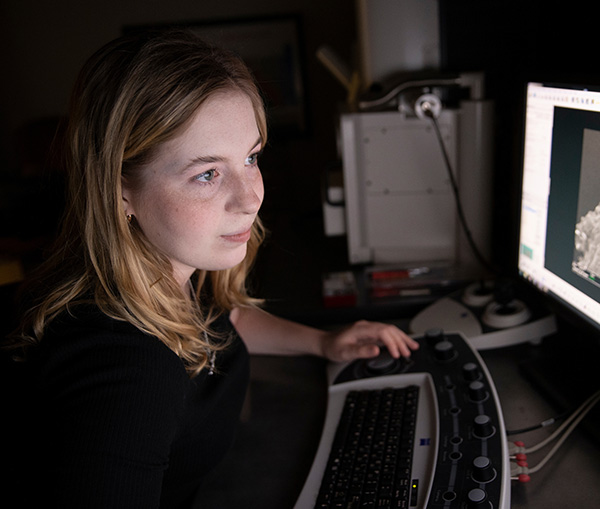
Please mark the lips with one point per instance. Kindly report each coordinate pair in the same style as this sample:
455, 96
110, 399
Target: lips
241, 237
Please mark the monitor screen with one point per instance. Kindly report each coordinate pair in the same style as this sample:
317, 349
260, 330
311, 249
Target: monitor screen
559, 235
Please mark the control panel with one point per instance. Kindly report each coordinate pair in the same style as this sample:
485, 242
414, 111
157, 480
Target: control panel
472, 468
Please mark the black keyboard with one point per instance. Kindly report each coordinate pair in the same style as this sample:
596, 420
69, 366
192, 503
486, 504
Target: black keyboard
433, 457
371, 456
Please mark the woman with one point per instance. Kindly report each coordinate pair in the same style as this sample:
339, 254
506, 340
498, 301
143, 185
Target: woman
132, 343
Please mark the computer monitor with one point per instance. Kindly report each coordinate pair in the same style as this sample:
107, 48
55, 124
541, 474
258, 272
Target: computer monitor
559, 234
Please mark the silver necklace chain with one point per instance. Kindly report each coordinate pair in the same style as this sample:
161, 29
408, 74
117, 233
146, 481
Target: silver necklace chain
212, 357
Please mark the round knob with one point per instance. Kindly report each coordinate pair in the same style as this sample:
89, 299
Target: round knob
383, 363
476, 498
471, 371
482, 426
479, 294
477, 391
444, 351
502, 316
434, 335
482, 469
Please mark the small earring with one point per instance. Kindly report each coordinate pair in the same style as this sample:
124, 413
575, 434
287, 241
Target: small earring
129, 218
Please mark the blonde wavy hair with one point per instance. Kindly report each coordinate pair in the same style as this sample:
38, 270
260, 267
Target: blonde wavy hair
131, 96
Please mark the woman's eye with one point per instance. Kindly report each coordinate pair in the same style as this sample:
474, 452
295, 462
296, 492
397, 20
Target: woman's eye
252, 160
207, 176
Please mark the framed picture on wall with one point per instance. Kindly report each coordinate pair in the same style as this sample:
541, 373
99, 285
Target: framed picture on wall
272, 48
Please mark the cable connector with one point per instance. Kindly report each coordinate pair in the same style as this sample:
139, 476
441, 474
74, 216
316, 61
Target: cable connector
428, 105
519, 472
517, 452
523, 478
516, 448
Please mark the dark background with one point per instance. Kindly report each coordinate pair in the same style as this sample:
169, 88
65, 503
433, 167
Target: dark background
45, 44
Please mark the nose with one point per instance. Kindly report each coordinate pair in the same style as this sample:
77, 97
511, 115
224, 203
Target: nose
246, 194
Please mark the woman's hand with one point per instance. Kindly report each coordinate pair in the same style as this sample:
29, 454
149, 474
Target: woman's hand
265, 333
364, 339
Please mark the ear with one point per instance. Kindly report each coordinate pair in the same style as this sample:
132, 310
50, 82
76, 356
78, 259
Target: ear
127, 198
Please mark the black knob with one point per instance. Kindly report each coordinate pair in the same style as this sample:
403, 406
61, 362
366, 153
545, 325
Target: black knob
434, 335
471, 371
444, 351
382, 364
476, 498
482, 426
483, 470
477, 391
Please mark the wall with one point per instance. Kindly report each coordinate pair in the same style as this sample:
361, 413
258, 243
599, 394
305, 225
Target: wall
46, 42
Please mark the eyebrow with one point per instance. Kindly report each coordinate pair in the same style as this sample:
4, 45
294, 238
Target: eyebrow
214, 159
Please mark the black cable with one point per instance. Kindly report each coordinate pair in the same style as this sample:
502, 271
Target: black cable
461, 215
544, 424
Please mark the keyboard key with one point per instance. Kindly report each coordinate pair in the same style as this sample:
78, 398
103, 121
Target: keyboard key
371, 455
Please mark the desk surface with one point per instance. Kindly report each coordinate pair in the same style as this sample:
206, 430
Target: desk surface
572, 477
273, 453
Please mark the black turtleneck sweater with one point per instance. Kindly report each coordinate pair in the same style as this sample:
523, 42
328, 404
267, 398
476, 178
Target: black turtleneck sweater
113, 420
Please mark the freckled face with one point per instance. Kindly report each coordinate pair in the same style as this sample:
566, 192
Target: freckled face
202, 192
